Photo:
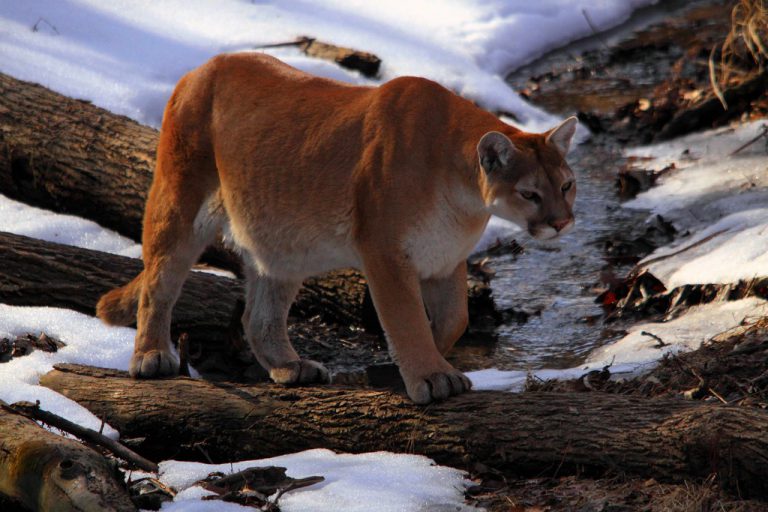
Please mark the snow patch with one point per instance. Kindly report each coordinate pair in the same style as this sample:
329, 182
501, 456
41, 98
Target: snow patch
717, 198
88, 341
127, 55
367, 482
688, 332
21, 219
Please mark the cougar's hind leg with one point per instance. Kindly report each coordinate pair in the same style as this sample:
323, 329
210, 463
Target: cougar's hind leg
181, 218
265, 323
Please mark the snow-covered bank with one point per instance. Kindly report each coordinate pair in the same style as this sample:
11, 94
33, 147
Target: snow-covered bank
126, 56
716, 199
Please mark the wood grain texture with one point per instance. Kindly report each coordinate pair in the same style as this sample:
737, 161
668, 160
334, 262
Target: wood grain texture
521, 434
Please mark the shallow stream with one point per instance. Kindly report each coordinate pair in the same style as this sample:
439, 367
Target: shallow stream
556, 282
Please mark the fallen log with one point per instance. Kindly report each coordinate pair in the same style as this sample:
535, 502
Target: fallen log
38, 273
521, 434
70, 156
43, 471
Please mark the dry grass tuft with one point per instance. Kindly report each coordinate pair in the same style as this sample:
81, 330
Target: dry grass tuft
745, 46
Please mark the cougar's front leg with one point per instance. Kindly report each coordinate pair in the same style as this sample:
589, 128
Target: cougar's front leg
396, 293
265, 323
446, 302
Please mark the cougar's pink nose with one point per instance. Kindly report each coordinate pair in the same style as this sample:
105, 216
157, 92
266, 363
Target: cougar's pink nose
561, 224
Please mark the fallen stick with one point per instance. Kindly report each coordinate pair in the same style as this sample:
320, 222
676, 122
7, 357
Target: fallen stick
33, 411
520, 434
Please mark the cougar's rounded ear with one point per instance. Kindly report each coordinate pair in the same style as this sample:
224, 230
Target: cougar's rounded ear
494, 151
560, 136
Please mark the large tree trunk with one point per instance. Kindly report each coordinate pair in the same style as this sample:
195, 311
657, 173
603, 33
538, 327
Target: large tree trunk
43, 471
525, 434
38, 273
69, 156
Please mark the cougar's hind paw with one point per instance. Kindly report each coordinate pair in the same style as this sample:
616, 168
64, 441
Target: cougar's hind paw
153, 364
304, 371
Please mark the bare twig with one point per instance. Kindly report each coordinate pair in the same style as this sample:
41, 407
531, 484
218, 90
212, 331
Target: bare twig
659, 342
704, 240
713, 80
595, 31
184, 354
759, 136
36, 26
34, 412
717, 395
298, 484
301, 41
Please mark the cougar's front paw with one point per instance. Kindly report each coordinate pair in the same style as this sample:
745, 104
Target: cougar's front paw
153, 363
304, 371
437, 386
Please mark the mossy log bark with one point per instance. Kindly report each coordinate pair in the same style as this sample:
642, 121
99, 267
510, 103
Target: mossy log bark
40, 470
523, 434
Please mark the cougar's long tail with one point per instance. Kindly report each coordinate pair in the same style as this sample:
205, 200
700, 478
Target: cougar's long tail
119, 306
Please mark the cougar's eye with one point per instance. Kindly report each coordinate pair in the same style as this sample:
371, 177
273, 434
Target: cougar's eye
566, 186
530, 196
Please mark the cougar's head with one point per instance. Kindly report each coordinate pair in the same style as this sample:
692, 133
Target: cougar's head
529, 181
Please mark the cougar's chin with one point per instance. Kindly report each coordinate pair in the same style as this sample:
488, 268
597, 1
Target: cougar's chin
543, 232
548, 232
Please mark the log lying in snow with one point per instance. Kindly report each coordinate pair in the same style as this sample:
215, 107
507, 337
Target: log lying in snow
525, 434
37, 273
43, 471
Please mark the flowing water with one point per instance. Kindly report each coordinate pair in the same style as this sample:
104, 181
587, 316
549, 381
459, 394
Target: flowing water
556, 283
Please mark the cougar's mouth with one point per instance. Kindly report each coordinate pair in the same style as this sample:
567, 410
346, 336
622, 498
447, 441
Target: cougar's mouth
547, 232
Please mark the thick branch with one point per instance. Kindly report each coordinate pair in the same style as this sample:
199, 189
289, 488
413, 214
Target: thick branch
44, 471
522, 434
